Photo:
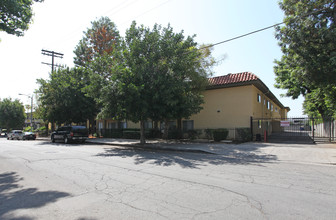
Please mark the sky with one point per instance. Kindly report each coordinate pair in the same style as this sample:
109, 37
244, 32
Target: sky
58, 25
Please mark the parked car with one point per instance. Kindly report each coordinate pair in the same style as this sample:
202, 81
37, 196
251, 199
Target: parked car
70, 134
3, 133
15, 134
29, 136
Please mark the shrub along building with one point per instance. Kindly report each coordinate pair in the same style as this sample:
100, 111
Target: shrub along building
232, 102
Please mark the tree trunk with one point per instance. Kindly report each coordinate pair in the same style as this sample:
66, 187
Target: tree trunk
142, 132
46, 125
179, 127
156, 125
166, 129
157, 133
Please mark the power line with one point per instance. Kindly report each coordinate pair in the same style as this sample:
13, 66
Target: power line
240, 36
259, 30
149, 10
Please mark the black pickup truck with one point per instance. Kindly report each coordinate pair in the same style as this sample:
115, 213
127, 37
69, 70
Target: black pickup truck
70, 134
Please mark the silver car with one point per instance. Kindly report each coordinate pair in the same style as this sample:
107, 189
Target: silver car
15, 134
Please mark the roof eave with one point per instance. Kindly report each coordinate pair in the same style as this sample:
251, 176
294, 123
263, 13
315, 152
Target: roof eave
257, 83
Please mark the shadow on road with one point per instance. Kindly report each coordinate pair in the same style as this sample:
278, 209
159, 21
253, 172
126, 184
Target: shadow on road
230, 155
14, 197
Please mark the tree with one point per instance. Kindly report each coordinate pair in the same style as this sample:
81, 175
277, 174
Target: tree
102, 37
12, 115
62, 99
16, 15
308, 64
159, 75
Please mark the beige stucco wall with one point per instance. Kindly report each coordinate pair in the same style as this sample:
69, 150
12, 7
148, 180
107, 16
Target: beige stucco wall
131, 124
260, 109
233, 107
226, 108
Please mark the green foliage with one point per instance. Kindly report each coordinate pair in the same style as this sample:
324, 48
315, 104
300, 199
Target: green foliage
165, 74
27, 128
12, 115
209, 133
153, 133
158, 75
308, 64
16, 15
131, 134
194, 134
41, 129
220, 134
62, 99
244, 134
103, 37
174, 133
112, 133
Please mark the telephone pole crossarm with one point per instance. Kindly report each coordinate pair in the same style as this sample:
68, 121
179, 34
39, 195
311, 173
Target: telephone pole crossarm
53, 54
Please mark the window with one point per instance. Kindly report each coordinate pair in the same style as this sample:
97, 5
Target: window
100, 125
111, 125
148, 124
259, 98
271, 107
276, 109
188, 125
172, 125
122, 124
268, 104
259, 123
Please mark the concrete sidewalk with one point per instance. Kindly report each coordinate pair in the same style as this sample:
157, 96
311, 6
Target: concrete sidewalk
250, 151
158, 145
296, 153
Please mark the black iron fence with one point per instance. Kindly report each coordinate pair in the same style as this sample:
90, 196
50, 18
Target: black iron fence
317, 129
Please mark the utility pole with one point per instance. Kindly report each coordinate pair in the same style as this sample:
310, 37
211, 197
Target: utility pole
31, 110
53, 54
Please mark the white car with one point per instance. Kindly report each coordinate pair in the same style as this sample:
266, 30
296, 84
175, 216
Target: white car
15, 134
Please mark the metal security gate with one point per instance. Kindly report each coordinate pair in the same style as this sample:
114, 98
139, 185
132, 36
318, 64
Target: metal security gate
296, 129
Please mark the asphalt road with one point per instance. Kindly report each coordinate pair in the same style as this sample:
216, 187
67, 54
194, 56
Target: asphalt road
42, 180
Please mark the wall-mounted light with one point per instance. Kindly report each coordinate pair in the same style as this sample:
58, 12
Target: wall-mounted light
218, 111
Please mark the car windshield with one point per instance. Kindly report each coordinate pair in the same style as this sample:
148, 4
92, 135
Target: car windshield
79, 128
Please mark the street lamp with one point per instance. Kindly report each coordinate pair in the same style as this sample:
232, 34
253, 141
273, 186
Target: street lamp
31, 110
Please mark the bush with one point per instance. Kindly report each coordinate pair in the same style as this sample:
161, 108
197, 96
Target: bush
112, 133
220, 134
209, 133
43, 128
174, 133
153, 133
27, 129
244, 134
131, 133
194, 134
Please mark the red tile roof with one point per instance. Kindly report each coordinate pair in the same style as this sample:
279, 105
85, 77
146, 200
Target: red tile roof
232, 78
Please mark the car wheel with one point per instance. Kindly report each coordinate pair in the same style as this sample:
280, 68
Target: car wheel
66, 140
52, 139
